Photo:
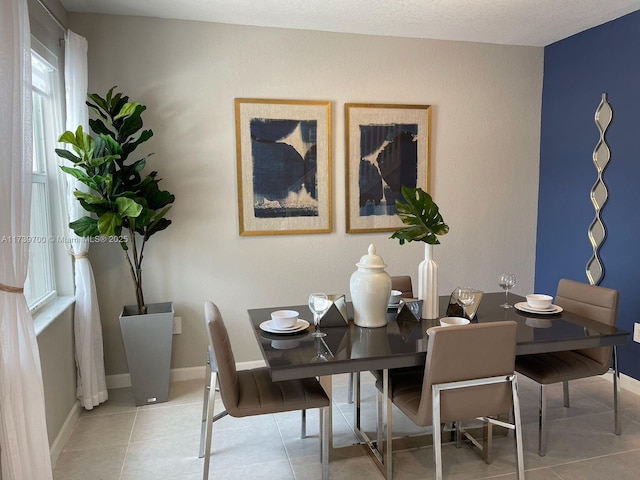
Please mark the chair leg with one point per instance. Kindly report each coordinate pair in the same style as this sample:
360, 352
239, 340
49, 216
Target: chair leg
303, 424
356, 400
437, 439
354, 377
324, 442
207, 453
565, 393
205, 402
617, 429
542, 420
518, 428
487, 442
388, 444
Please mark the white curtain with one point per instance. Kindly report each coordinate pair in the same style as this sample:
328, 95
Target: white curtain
23, 431
91, 381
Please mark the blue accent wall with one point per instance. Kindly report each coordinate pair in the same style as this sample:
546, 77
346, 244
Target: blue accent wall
577, 70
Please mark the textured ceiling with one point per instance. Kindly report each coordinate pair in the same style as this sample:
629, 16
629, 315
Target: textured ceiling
512, 22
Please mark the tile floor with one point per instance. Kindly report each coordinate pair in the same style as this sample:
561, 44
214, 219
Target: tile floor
119, 441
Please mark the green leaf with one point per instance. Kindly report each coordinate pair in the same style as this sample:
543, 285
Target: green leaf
98, 208
128, 207
89, 198
81, 176
85, 227
110, 224
126, 110
158, 227
159, 223
61, 152
111, 144
98, 127
67, 137
422, 217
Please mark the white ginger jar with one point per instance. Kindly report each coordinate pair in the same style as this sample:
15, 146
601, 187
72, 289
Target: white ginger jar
370, 288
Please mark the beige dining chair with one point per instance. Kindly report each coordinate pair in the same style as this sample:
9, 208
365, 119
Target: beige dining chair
402, 283
469, 373
252, 392
590, 301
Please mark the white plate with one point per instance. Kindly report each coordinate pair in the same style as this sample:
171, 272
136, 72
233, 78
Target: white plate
395, 305
272, 325
268, 326
540, 309
524, 307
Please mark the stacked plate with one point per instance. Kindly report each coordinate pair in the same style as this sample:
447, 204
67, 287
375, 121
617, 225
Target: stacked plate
270, 326
550, 310
395, 305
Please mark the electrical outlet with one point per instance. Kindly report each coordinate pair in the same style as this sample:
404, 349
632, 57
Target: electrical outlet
177, 325
636, 332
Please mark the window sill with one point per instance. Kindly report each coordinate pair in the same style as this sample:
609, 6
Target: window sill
52, 310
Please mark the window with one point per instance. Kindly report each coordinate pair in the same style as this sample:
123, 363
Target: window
40, 285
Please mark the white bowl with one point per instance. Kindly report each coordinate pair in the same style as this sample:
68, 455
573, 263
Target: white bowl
284, 318
539, 301
451, 321
395, 297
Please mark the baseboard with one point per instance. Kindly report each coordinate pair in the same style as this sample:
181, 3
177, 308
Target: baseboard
630, 383
64, 433
177, 374
626, 382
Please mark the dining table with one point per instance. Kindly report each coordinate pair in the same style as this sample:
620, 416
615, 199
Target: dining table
402, 342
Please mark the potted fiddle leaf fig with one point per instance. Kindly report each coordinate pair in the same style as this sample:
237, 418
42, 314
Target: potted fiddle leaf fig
127, 207
423, 223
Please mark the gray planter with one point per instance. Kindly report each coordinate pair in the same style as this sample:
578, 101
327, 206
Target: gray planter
147, 343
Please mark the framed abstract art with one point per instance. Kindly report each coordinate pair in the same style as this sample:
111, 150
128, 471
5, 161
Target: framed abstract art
283, 166
387, 146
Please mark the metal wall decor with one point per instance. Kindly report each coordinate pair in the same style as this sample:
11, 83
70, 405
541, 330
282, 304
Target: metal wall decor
599, 193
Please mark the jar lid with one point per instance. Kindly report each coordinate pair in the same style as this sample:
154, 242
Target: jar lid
371, 260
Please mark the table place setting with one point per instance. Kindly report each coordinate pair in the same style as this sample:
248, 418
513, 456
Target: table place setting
395, 299
539, 304
284, 322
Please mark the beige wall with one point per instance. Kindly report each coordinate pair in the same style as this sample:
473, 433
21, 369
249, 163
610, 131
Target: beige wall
486, 126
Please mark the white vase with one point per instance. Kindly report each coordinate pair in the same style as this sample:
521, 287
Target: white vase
428, 284
370, 287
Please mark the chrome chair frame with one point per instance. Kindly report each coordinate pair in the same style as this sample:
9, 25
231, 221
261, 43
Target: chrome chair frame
543, 432
208, 417
207, 405
516, 425
590, 301
212, 385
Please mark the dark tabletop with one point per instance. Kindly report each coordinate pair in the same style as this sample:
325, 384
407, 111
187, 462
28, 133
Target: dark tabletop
403, 342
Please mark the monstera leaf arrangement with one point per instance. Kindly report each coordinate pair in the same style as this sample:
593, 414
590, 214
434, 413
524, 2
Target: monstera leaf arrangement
421, 216
122, 204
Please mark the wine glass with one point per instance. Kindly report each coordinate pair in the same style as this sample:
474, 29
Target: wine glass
465, 297
507, 281
319, 304
323, 354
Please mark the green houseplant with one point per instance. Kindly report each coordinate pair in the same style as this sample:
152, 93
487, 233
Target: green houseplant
120, 199
421, 216
129, 207
423, 223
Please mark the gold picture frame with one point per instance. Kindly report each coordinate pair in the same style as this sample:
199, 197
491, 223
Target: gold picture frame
387, 146
283, 152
